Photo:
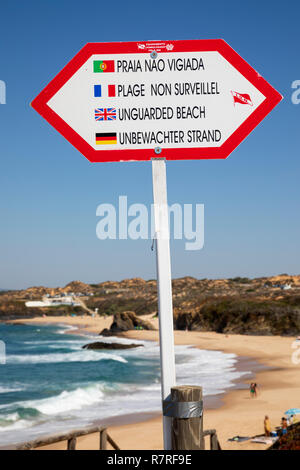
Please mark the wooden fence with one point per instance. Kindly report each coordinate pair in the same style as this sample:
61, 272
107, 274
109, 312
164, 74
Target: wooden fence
71, 438
214, 442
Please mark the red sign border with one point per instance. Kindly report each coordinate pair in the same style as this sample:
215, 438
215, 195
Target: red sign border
201, 45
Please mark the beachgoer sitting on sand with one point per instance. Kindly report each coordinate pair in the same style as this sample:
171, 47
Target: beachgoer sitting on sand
293, 419
267, 426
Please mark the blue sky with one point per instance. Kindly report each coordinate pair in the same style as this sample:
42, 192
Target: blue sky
49, 192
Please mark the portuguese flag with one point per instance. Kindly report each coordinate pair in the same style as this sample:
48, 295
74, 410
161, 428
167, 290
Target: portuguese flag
106, 138
101, 66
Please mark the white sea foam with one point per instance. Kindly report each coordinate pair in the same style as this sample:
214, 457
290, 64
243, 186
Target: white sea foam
19, 424
80, 356
68, 401
11, 389
213, 370
63, 328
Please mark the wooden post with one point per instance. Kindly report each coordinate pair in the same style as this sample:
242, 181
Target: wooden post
103, 439
187, 433
72, 443
214, 445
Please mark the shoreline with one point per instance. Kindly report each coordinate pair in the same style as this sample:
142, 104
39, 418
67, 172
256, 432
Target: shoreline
244, 364
276, 375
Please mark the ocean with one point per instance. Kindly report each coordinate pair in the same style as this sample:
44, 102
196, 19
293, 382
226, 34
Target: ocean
50, 384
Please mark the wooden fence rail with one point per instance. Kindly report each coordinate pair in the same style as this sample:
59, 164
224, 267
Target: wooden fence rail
214, 442
71, 438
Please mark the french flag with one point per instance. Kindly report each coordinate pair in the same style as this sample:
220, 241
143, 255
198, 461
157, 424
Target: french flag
104, 91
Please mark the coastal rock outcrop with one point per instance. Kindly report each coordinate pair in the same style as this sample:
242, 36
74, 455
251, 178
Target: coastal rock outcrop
126, 321
242, 316
111, 346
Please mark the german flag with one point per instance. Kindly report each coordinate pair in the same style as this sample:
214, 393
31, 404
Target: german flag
106, 138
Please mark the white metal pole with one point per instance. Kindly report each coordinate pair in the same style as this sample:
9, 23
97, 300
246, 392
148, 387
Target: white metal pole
164, 288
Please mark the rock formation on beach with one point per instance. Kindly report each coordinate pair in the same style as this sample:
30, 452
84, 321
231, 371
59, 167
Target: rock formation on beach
126, 321
110, 346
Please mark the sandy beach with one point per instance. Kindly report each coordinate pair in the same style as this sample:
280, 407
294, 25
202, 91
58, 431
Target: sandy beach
278, 380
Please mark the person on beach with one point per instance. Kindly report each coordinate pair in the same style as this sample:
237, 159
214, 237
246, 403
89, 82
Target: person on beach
253, 391
293, 419
267, 426
284, 425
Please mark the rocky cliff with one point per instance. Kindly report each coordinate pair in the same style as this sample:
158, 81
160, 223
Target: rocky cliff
239, 305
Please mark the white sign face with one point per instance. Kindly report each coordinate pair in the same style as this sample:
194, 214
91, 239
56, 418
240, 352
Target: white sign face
175, 100
161, 100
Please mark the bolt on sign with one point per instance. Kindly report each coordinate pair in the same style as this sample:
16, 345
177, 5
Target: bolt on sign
133, 101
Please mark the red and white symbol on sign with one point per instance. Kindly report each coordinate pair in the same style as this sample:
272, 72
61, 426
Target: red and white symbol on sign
242, 98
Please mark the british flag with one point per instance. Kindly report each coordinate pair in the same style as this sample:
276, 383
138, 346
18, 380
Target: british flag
105, 114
